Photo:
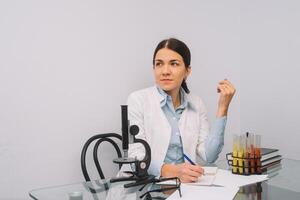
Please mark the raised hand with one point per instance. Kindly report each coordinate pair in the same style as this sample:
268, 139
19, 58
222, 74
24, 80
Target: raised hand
226, 90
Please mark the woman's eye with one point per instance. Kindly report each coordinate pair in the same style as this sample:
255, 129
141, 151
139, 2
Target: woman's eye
158, 64
174, 64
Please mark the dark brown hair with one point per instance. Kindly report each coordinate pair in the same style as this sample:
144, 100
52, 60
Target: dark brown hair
179, 47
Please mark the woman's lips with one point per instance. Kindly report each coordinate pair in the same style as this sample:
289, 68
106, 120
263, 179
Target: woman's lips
166, 80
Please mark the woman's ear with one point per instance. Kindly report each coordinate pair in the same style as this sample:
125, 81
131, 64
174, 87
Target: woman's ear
189, 71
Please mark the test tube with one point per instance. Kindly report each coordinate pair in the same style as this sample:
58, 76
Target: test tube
252, 154
241, 154
247, 154
257, 154
235, 154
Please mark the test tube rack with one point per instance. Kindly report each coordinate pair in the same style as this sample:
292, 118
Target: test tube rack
244, 165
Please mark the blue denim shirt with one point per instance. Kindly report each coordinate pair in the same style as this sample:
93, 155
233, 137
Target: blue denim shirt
214, 143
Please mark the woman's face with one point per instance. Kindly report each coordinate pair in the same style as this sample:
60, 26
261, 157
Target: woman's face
169, 70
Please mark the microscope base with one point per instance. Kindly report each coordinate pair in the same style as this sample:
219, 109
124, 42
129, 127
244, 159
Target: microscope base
138, 180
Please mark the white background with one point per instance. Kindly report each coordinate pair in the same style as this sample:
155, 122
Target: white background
67, 66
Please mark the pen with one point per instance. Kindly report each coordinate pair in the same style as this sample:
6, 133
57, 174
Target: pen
188, 159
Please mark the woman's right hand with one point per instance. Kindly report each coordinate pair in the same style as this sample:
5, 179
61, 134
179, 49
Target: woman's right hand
185, 172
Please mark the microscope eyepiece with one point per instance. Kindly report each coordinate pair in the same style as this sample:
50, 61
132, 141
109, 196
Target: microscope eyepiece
134, 130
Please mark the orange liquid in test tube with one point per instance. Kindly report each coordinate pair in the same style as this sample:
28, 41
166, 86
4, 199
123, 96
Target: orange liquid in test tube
257, 154
247, 155
252, 154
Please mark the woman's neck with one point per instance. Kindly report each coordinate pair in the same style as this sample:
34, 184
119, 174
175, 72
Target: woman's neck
175, 94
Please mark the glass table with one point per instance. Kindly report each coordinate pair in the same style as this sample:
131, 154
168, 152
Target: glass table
285, 184
95, 190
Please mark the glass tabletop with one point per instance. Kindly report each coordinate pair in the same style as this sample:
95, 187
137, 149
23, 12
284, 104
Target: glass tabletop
96, 189
284, 184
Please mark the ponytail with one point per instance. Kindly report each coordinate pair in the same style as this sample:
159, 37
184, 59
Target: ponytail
185, 87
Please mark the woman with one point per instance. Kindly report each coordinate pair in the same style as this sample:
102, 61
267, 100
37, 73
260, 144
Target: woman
173, 121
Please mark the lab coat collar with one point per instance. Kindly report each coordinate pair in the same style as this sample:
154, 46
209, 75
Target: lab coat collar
162, 96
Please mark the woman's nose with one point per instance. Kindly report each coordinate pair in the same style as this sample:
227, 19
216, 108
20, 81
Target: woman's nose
166, 70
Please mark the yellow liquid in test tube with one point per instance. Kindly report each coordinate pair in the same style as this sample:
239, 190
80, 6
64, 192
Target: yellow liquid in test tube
235, 154
241, 155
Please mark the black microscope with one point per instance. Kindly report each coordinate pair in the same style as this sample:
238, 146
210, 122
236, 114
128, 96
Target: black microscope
139, 174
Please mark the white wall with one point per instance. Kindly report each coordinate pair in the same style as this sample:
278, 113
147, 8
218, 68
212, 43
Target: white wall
66, 66
270, 61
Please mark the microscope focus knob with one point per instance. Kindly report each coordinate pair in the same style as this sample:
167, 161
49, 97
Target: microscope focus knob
134, 130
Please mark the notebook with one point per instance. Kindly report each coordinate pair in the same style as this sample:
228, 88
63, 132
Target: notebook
206, 180
267, 153
271, 160
204, 192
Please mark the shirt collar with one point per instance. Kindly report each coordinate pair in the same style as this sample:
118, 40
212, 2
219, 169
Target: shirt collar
166, 97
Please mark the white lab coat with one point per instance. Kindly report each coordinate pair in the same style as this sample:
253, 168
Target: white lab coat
144, 110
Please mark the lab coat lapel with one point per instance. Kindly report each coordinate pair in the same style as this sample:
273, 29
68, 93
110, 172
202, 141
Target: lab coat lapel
162, 140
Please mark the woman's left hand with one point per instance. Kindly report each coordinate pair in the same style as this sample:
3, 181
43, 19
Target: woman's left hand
226, 90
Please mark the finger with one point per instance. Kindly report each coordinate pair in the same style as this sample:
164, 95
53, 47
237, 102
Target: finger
222, 89
229, 89
196, 168
189, 172
228, 83
224, 81
184, 179
193, 179
226, 89
188, 179
193, 173
218, 89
